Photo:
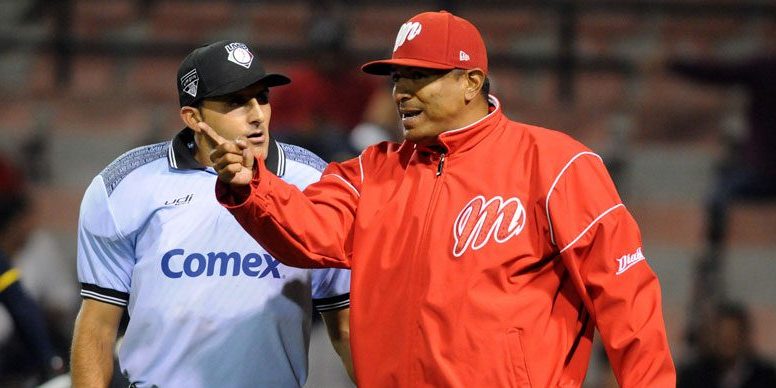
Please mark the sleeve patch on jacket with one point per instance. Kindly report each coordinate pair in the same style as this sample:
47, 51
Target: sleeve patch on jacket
627, 261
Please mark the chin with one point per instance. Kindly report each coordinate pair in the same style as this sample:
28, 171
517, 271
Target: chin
260, 152
418, 138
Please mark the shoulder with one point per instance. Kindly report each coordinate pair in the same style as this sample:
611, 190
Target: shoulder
551, 149
545, 138
302, 156
385, 148
299, 166
550, 155
375, 156
129, 162
117, 192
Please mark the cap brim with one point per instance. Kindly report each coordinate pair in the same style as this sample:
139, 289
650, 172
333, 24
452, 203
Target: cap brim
275, 80
269, 80
383, 67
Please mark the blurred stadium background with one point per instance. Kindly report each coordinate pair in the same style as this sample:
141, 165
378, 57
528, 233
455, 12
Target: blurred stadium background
82, 81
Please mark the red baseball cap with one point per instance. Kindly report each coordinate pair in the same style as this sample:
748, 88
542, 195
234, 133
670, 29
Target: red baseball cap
435, 40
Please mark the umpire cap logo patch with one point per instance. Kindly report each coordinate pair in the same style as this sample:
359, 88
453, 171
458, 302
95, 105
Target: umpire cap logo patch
239, 54
189, 82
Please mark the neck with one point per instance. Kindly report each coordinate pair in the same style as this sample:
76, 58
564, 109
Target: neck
473, 112
204, 148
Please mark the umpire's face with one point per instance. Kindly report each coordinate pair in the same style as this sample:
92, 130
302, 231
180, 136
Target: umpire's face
432, 101
244, 114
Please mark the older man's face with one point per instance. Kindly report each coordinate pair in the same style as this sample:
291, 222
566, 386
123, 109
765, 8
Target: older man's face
429, 101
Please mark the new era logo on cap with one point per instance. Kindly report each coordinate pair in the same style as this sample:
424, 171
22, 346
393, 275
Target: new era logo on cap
435, 40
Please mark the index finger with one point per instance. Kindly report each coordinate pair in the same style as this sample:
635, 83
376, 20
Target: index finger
211, 133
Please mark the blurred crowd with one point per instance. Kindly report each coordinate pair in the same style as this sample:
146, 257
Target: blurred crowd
38, 290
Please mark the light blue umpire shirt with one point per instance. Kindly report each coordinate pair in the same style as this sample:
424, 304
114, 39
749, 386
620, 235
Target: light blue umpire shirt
208, 306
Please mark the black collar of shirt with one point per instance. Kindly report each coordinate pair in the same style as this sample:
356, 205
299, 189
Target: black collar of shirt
183, 148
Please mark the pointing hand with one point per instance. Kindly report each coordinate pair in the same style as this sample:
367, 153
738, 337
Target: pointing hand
232, 160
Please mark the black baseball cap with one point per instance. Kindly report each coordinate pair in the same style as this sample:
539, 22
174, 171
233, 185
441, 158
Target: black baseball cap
221, 68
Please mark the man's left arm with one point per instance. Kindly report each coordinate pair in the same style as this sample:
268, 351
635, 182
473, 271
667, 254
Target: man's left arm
600, 245
338, 328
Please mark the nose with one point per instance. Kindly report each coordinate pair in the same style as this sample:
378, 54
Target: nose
401, 90
255, 111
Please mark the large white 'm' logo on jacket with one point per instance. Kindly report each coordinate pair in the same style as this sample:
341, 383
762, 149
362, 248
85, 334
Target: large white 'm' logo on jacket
482, 219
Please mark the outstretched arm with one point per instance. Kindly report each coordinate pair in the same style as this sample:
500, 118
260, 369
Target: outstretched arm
313, 229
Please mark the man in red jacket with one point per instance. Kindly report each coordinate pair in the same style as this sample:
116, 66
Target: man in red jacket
484, 252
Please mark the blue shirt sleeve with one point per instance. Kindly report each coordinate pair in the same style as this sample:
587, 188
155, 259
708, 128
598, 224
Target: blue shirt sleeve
105, 257
331, 289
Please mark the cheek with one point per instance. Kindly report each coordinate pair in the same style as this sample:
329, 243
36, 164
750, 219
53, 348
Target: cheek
267, 113
442, 106
226, 126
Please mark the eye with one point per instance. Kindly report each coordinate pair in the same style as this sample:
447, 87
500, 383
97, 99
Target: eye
263, 97
416, 75
235, 102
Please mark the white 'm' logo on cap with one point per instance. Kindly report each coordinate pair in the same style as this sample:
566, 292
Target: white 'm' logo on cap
239, 54
408, 31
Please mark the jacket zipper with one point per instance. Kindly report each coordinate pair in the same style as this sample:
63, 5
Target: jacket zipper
421, 245
441, 165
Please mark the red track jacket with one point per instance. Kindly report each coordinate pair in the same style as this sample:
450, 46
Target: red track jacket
487, 265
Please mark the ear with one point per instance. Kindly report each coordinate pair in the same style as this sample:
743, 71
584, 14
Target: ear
474, 80
191, 116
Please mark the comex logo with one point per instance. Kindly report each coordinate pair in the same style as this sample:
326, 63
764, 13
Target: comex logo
408, 31
482, 219
175, 265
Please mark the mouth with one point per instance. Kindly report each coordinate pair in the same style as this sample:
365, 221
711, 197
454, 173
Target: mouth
256, 137
409, 117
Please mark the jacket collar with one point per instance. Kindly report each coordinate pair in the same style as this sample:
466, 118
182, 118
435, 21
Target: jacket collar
180, 155
462, 139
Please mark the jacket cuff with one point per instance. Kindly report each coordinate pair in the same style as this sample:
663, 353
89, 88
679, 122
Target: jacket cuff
235, 196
